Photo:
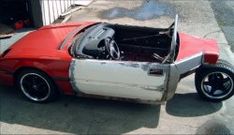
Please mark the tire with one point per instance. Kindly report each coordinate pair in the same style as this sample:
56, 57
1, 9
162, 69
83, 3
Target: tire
36, 86
215, 82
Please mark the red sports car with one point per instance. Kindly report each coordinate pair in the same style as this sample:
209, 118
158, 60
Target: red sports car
116, 61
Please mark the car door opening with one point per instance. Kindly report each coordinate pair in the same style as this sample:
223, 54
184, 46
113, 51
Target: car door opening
122, 42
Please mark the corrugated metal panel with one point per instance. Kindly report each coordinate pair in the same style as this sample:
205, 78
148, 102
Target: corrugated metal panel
59, 8
45, 12
55, 8
52, 9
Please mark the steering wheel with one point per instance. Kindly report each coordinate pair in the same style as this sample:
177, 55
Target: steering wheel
112, 48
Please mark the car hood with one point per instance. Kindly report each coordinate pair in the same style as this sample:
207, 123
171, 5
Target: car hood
44, 42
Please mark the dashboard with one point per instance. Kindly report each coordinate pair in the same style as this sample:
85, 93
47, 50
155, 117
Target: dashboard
91, 42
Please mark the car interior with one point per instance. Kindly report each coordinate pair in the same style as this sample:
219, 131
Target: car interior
122, 42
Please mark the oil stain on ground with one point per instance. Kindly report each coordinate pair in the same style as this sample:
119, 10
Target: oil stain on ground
149, 9
213, 127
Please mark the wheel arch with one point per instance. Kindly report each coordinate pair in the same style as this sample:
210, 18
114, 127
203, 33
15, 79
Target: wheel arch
57, 70
21, 69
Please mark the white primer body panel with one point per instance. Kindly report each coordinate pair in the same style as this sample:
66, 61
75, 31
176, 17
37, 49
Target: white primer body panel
121, 79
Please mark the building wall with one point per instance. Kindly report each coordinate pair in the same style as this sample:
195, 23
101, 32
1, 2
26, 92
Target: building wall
52, 9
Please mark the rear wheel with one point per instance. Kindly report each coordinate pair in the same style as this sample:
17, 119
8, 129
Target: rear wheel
215, 82
36, 86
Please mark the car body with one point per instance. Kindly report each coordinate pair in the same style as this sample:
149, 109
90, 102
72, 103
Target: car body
84, 59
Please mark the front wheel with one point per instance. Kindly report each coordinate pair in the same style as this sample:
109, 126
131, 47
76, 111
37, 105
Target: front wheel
215, 82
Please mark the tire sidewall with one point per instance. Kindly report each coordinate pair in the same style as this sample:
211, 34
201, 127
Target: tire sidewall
205, 70
53, 90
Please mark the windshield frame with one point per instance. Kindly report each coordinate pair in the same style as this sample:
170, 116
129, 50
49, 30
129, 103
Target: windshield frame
73, 33
174, 37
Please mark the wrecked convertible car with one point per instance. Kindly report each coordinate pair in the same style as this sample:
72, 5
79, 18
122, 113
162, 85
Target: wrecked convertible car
114, 61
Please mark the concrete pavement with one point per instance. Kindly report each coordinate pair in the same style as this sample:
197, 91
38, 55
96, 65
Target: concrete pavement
224, 12
186, 113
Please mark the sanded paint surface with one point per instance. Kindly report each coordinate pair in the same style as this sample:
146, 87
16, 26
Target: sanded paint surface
117, 79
